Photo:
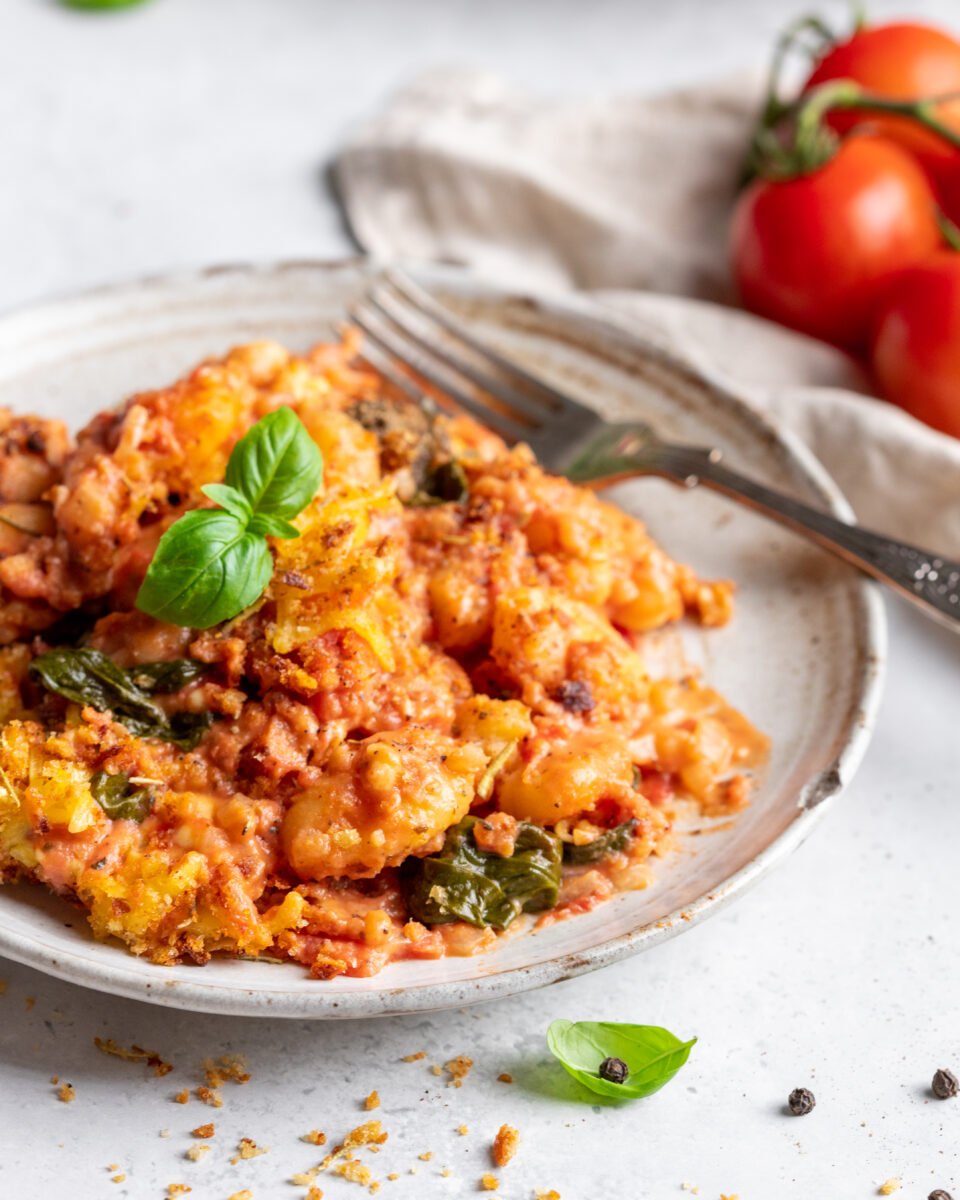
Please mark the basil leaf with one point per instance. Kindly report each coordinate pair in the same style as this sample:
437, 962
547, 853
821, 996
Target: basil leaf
118, 799
465, 883
206, 569
86, 676
611, 842
269, 526
276, 465
168, 676
652, 1054
96, 5
229, 498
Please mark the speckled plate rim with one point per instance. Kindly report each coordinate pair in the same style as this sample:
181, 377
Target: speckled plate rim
125, 976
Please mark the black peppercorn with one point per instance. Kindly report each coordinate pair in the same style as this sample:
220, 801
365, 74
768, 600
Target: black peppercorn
944, 1084
801, 1101
939, 1194
614, 1070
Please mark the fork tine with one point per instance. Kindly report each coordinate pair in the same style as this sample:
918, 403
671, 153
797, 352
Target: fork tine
422, 300
424, 330
407, 352
384, 364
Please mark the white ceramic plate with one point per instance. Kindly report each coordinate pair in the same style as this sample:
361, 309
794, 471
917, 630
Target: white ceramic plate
802, 657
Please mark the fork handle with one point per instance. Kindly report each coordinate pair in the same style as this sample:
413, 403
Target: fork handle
928, 580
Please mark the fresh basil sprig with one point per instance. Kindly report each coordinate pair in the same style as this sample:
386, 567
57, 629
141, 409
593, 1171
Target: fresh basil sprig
652, 1055
213, 563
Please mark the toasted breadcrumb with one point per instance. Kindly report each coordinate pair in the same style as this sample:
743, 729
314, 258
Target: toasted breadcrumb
393, 1176
54, 1078
732, 1196
414, 1057
118, 1178
67, 1093
164, 1133
209, 1096
891, 1186
689, 1187
504, 1145
134, 1054
29, 1002
489, 1183
505, 1077
446, 1172
315, 1194
178, 1189
315, 1137
204, 1131
436, 1069
551, 1195
372, 1101
231, 1067
354, 1171
425, 1156
248, 1148
369, 1133
463, 1130
305, 1178
181, 1097
195, 1153
458, 1069
246, 1194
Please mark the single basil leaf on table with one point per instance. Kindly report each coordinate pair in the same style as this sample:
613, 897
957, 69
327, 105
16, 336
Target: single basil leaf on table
611, 842
276, 465
207, 568
653, 1055
168, 676
465, 883
118, 798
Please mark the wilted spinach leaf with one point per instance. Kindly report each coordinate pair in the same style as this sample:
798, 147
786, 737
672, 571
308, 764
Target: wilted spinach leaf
87, 676
611, 842
465, 883
169, 676
118, 798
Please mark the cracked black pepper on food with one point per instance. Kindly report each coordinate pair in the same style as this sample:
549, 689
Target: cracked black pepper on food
801, 1101
614, 1070
944, 1084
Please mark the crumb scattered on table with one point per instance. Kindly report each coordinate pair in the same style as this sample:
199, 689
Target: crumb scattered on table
463, 1130
118, 1178
489, 1182
181, 1097
67, 1093
414, 1057
305, 1178
315, 1137
505, 1077
248, 1148
228, 1067
551, 1195
246, 1194
372, 1101
891, 1186
209, 1096
134, 1054
204, 1131
504, 1145
29, 1002
195, 1153
425, 1156
178, 1189
458, 1068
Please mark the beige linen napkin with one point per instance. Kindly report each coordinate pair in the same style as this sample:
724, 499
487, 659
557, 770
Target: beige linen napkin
629, 197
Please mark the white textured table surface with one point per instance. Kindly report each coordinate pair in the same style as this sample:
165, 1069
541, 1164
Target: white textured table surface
193, 131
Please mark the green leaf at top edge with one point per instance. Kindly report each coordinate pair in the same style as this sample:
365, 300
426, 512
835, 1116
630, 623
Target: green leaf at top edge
276, 465
230, 499
206, 569
653, 1055
100, 5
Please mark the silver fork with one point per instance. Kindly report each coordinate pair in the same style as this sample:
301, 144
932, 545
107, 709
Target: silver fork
409, 334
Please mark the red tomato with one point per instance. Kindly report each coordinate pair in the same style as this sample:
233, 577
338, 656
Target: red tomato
901, 61
916, 344
816, 252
